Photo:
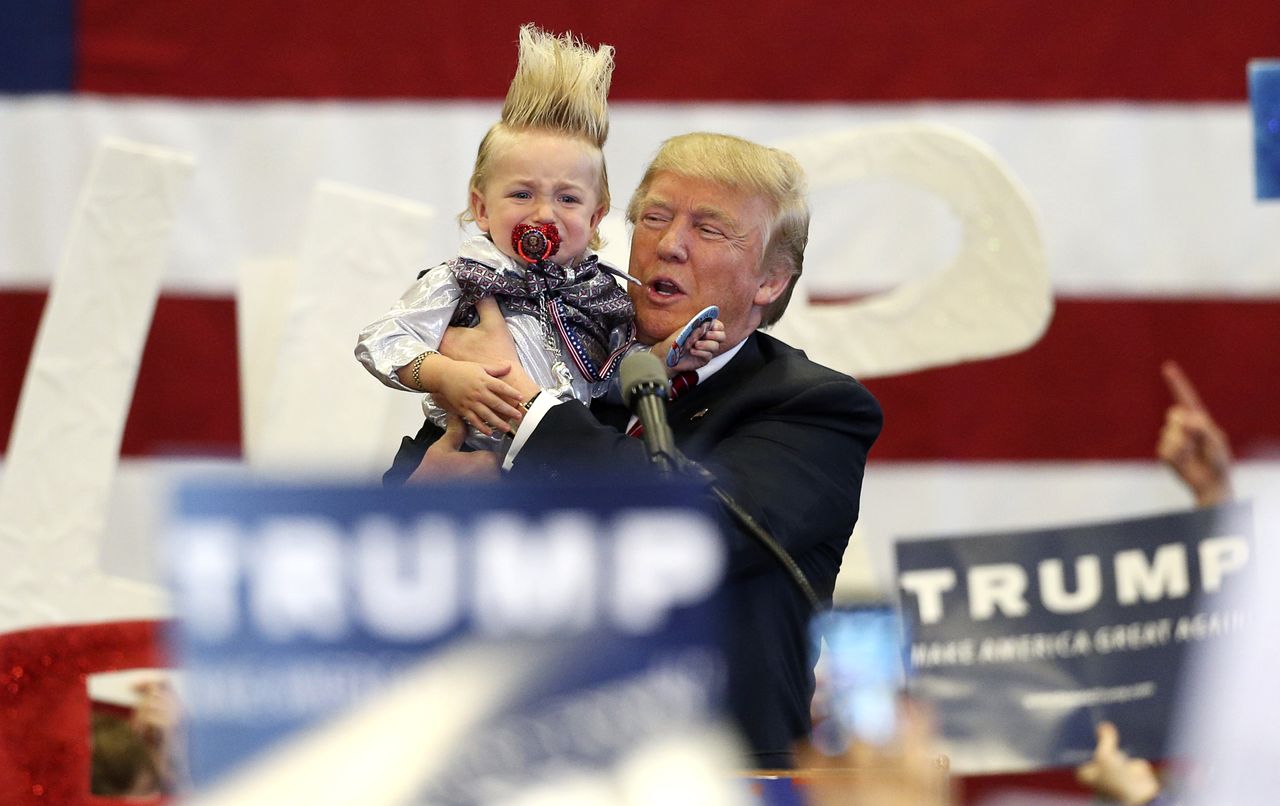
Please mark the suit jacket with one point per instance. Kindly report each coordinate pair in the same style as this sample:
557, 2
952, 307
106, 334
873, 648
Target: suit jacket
788, 439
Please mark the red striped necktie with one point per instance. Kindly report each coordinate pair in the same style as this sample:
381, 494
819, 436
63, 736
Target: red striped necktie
679, 385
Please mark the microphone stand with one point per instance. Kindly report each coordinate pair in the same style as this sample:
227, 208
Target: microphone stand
644, 391
692, 469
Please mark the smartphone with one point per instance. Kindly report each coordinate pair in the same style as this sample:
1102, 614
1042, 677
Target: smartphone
1264, 98
861, 672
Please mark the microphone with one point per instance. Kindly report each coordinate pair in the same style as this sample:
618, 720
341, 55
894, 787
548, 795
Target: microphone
644, 390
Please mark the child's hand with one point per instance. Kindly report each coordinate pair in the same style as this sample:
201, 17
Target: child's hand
703, 346
475, 392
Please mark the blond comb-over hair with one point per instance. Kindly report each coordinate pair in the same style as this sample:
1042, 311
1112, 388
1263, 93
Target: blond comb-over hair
769, 173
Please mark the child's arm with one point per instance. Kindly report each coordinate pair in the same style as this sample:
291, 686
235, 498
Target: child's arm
466, 388
415, 324
703, 345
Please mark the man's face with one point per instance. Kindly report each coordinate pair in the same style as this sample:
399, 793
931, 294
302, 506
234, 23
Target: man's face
697, 243
541, 178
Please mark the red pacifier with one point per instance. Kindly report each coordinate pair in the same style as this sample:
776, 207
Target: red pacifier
535, 243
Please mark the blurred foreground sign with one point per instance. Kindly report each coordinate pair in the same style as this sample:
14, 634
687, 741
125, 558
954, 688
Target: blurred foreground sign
1023, 642
452, 644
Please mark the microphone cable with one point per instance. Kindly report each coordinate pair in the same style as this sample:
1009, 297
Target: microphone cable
753, 528
644, 388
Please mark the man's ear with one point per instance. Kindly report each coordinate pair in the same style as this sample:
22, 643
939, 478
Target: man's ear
479, 210
771, 286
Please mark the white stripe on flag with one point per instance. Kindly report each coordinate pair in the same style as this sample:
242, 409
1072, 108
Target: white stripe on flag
1135, 199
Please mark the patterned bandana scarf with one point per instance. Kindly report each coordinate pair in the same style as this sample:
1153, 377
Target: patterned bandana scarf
583, 303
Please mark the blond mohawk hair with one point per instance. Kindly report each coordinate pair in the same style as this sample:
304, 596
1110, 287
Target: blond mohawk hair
560, 84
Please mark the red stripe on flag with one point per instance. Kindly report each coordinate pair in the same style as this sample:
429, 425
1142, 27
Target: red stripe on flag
20, 313
1089, 390
187, 397
877, 50
1091, 387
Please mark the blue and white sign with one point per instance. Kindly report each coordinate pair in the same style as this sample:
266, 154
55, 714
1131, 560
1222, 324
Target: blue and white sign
453, 644
1264, 100
1023, 642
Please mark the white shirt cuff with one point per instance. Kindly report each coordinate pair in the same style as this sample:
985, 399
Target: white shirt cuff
528, 423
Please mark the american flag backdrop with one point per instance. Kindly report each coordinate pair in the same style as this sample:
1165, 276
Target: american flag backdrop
1126, 122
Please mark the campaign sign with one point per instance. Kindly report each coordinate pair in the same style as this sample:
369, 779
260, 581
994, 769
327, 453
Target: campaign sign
450, 644
1264, 99
1023, 642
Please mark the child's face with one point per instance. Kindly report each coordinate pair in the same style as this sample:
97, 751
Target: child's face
541, 178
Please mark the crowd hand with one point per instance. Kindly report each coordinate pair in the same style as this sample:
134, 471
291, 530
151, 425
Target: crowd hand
908, 771
157, 718
158, 711
477, 393
444, 460
703, 346
1192, 443
1112, 774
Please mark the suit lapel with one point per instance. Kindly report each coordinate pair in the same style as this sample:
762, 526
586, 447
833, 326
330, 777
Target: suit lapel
681, 413
610, 414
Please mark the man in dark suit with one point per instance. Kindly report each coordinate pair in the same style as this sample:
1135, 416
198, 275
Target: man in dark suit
719, 220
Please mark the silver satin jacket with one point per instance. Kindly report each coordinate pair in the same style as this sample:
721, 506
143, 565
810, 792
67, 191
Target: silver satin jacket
417, 323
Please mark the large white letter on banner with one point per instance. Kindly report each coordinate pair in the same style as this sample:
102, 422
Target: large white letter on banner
407, 584
993, 299
297, 583
928, 587
322, 411
65, 446
1165, 576
998, 586
535, 578
1220, 556
1053, 588
662, 560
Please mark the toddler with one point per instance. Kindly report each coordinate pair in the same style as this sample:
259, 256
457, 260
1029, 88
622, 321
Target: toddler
537, 194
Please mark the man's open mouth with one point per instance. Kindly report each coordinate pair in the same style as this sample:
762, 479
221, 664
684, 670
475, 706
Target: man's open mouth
665, 288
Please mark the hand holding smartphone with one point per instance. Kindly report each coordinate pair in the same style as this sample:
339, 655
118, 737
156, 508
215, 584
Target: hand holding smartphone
862, 672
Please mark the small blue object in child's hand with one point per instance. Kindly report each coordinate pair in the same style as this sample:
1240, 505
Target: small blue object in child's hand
690, 334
